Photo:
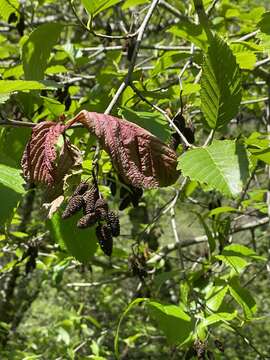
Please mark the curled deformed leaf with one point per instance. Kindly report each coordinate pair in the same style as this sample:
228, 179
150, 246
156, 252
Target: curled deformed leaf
38, 161
69, 158
140, 158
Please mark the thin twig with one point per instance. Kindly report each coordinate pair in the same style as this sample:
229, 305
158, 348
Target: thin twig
262, 62
264, 99
146, 47
127, 79
209, 138
211, 7
177, 239
245, 189
91, 31
248, 36
164, 113
164, 251
172, 10
268, 166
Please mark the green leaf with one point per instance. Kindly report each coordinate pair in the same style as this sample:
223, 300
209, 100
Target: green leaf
213, 319
191, 32
259, 146
37, 49
264, 23
263, 155
12, 145
210, 238
237, 263
223, 166
94, 7
243, 297
54, 106
221, 210
11, 86
244, 54
11, 191
8, 7
13, 72
215, 297
56, 69
11, 178
154, 122
123, 315
81, 243
172, 320
220, 85
131, 3
4, 98
264, 41
234, 255
168, 59
242, 250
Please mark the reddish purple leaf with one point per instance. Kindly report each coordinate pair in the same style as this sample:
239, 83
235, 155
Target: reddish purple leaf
69, 158
139, 157
40, 153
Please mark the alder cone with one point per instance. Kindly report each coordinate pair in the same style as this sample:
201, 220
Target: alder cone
87, 220
81, 188
113, 222
101, 204
101, 213
75, 204
90, 198
105, 238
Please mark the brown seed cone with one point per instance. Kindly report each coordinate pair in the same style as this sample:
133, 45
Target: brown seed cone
75, 204
90, 198
101, 203
105, 239
87, 220
113, 222
101, 213
81, 188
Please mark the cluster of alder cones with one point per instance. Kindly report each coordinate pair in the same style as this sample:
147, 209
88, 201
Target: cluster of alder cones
96, 211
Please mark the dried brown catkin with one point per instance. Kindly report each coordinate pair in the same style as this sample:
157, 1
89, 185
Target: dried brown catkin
75, 204
87, 220
105, 239
113, 222
81, 188
90, 198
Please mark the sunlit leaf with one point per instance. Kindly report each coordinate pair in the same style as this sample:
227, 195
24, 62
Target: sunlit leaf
80, 243
172, 320
94, 7
222, 165
243, 297
220, 85
36, 50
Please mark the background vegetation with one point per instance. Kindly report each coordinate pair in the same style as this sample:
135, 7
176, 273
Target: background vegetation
189, 273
